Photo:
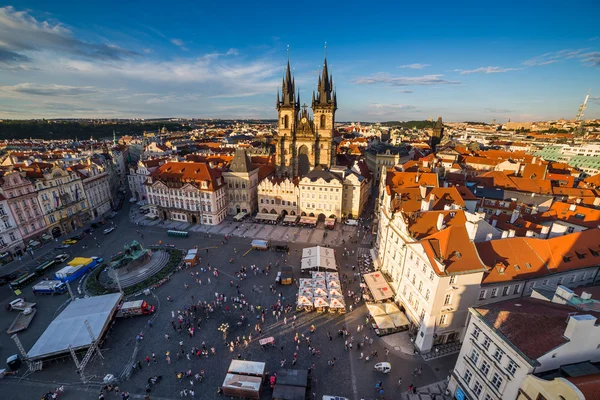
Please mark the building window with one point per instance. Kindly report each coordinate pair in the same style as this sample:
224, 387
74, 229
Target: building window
517, 288
505, 291
486, 343
485, 368
467, 376
494, 292
431, 276
544, 282
443, 319
531, 286
476, 332
482, 294
427, 294
477, 388
560, 281
572, 279
498, 354
496, 381
512, 367
453, 279
474, 356
448, 299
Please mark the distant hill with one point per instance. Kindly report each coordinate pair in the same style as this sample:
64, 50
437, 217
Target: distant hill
409, 124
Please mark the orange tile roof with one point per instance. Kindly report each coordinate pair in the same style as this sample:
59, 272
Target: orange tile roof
506, 155
521, 258
453, 248
397, 179
593, 181
423, 224
575, 214
572, 192
540, 186
494, 179
520, 226
533, 171
471, 160
188, 172
409, 199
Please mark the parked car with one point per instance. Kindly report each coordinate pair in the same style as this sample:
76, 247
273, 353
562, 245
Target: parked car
61, 257
77, 237
97, 225
99, 260
62, 246
69, 241
88, 230
108, 230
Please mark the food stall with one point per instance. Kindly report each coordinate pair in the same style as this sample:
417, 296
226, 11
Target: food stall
320, 303
304, 303
337, 304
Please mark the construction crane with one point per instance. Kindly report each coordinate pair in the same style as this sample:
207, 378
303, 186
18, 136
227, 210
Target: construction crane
579, 116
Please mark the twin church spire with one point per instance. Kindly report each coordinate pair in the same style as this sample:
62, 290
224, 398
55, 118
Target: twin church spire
325, 95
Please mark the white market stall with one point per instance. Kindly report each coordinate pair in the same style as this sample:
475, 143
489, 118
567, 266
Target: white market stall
317, 258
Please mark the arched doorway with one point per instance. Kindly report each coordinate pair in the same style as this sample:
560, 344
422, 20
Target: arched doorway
332, 216
56, 232
264, 211
164, 215
273, 211
284, 213
303, 214
311, 214
194, 219
238, 209
303, 161
293, 213
321, 217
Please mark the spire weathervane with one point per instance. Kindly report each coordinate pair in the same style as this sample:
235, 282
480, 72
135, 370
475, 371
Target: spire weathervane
288, 52
325, 49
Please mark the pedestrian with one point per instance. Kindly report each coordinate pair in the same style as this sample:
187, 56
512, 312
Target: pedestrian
148, 360
167, 336
420, 371
361, 356
209, 280
154, 357
399, 381
150, 323
139, 364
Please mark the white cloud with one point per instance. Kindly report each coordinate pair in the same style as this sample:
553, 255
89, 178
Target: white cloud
553, 57
415, 66
425, 80
50, 90
179, 43
486, 70
22, 36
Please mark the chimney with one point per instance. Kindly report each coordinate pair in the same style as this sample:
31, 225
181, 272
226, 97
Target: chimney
579, 323
498, 212
431, 201
489, 237
529, 233
545, 230
423, 192
440, 222
417, 178
511, 233
424, 205
504, 234
585, 296
494, 222
445, 184
572, 207
514, 216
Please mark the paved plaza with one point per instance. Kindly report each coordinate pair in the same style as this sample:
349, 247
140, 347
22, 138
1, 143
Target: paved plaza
350, 376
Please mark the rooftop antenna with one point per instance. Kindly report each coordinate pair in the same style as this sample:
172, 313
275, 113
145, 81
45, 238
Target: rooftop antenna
288, 52
325, 50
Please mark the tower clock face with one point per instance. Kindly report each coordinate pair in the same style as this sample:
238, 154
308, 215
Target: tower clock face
303, 120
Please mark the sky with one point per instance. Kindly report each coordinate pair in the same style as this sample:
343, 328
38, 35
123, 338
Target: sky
464, 61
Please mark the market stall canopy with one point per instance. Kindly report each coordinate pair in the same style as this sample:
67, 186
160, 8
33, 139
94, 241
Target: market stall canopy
317, 251
336, 303
332, 276
308, 220
306, 291
384, 322
317, 275
306, 282
319, 283
242, 382
267, 217
320, 292
320, 302
305, 301
242, 367
399, 319
293, 377
375, 309
240, 216
333, 292
378, 286
329, 221
333, 284
290, 218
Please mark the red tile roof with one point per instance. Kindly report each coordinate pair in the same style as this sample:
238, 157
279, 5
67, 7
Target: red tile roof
521, 258
188, 172
396, 179
588, 385
514, 320
575, 214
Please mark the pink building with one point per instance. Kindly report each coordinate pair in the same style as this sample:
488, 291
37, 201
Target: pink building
23, 204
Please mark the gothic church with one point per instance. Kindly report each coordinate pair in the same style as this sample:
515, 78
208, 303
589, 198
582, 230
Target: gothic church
304, 142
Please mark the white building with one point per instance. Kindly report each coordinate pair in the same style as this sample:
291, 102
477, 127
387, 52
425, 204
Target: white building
321, 194
138, 174
96, 186
242, 184
190, 192
278, 196
507, 341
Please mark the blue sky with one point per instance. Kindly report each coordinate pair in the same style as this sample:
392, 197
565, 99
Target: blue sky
465, 60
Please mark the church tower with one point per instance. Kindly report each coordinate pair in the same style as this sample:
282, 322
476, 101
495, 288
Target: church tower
324, 105
288, 107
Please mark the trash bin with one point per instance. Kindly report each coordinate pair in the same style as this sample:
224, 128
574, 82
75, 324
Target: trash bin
13, 362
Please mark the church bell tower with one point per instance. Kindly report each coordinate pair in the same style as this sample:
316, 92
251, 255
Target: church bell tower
324, 105
288, 107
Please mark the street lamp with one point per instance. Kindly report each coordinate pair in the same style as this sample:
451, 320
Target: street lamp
224, 328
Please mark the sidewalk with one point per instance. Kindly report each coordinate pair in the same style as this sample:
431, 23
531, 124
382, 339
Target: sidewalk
433, 391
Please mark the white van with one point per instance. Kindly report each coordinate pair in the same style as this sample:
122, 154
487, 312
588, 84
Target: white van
351, 222
334, 398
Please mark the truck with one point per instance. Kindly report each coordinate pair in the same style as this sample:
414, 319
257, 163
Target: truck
260, 244
134, 308
23, 280
19, 305
49, 287
75, 268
